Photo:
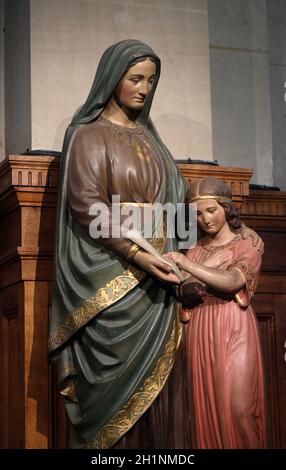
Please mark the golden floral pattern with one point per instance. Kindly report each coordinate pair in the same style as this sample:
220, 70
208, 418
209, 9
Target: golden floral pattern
115, 290
251, 280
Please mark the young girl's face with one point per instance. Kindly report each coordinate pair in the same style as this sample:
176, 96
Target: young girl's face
210, 216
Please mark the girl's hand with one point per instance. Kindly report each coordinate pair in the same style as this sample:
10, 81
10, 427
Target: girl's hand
217, 260
256, 239
179, 259
155, 267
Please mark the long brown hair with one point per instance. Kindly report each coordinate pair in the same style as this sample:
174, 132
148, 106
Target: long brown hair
216, 188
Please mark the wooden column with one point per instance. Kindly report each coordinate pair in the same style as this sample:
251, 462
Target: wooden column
28, 188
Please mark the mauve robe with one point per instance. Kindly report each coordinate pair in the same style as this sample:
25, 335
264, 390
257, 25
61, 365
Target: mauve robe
225, 372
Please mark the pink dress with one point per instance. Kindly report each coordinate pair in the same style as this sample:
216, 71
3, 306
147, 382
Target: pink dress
225, 363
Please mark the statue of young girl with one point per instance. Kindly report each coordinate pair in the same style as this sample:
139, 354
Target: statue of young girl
225, 373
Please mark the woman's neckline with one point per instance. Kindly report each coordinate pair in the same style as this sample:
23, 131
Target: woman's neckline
137, 129
208, 246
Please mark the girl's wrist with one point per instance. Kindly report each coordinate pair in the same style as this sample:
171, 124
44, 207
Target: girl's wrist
187, 266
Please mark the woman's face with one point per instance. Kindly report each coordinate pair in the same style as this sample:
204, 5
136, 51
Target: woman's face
136, 85
210, 216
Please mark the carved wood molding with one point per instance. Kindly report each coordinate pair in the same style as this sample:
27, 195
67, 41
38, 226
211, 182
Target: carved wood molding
28, 181
236, 178
29, 171
28, 194
259, 205
262, 203
31, 181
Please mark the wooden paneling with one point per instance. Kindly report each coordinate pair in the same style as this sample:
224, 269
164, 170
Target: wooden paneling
265, 313
236, 178
280, 333
36, 369
265, 212
11, 430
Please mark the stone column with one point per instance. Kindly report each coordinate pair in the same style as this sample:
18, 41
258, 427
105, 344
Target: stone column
277, 59
240, 86
2, 97
18, 119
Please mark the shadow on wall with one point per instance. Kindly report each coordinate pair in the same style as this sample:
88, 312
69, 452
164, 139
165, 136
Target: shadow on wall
185, 137
60, 133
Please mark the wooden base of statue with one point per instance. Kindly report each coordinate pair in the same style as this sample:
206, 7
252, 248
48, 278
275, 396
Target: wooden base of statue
32, 412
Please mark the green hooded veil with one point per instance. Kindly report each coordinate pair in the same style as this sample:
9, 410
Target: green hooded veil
114, 330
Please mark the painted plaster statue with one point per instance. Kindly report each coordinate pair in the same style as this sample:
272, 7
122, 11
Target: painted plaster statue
223, 351
115, 328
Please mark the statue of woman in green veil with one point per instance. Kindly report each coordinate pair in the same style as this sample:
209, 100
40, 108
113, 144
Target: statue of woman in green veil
114, 328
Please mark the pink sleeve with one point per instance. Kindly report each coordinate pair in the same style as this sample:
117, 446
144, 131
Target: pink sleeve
193, 254
191, 293
248, 260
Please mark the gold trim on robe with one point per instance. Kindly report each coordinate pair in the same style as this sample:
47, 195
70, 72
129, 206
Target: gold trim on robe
115, 290
136, 406
250, 282
68, 391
